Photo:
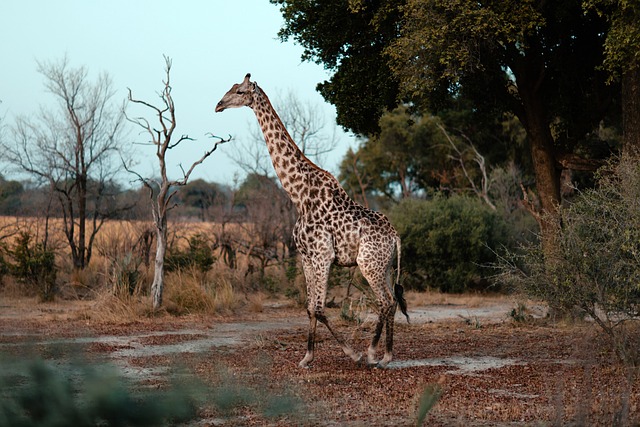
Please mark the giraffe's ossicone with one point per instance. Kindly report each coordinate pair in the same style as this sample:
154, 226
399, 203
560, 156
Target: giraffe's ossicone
330, 228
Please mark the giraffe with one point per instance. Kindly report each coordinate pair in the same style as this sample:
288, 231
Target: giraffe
330, 228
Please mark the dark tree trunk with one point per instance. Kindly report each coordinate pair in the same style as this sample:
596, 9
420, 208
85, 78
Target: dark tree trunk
631, 110
533, 115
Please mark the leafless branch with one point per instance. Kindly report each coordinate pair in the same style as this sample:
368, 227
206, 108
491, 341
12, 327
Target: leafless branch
530, 205
482, 192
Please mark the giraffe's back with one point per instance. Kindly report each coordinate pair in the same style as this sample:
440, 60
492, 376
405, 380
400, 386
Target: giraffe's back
333, 218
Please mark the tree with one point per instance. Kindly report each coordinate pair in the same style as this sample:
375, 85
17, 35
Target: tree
162, 192
10, 192
409, 156
72, 149
622, 61
268, 220
538, 60
206, 200
348, 37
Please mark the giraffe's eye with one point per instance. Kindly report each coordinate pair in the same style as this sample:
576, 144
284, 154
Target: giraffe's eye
240, 92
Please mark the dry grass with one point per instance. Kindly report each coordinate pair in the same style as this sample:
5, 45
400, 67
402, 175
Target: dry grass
110, 308
120, 249
191, 292
255, 302
434, 297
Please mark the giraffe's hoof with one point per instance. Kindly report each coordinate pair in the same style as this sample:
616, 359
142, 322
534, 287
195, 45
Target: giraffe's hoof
304, 363
308, 358
371, 359
384, 362
381, 365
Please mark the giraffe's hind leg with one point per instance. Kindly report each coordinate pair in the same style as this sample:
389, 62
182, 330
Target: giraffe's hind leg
375, 268
388, 352
385, 319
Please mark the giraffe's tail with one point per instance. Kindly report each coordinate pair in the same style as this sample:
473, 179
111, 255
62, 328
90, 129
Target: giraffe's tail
398, 290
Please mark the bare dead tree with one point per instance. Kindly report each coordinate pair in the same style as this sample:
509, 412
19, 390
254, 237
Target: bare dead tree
160, 194
73, 149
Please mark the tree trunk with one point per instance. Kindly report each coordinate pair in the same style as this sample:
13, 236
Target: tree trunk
534, 119
158, 275
547, 184
82, 221
631, 110
157, 287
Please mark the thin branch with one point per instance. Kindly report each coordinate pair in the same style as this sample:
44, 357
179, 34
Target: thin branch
182, 138
529, 205
204, 156
483, 192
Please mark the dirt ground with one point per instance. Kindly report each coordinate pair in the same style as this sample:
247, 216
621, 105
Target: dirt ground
490, 369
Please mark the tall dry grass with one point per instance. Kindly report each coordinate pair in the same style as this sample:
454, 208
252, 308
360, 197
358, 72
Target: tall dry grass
119, 276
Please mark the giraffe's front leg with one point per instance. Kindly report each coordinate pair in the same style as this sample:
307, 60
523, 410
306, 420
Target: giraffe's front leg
308, 358
310, 279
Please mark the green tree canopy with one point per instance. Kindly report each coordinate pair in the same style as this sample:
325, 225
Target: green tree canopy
349, 39
408, 156
538, 60
622, 61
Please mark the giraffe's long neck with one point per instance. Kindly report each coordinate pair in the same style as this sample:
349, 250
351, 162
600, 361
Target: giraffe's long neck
290, 164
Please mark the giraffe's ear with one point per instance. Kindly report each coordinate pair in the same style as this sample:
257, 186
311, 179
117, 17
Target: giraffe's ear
248, 83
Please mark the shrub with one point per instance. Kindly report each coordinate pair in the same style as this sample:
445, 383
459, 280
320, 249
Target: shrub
124, 274
34, 265
596, 267
447, 241
198, 255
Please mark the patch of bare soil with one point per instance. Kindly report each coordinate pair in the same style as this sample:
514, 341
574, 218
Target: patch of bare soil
491, 370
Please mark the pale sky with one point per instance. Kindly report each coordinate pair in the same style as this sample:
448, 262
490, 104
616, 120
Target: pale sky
213, 44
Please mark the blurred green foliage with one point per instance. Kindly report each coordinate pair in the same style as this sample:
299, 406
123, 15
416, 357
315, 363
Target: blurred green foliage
39, 393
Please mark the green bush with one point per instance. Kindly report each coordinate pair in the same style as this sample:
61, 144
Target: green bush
198, 255
448, 241
34, 265
595, 266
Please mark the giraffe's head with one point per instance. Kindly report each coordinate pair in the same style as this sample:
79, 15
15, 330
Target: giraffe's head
239, 95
